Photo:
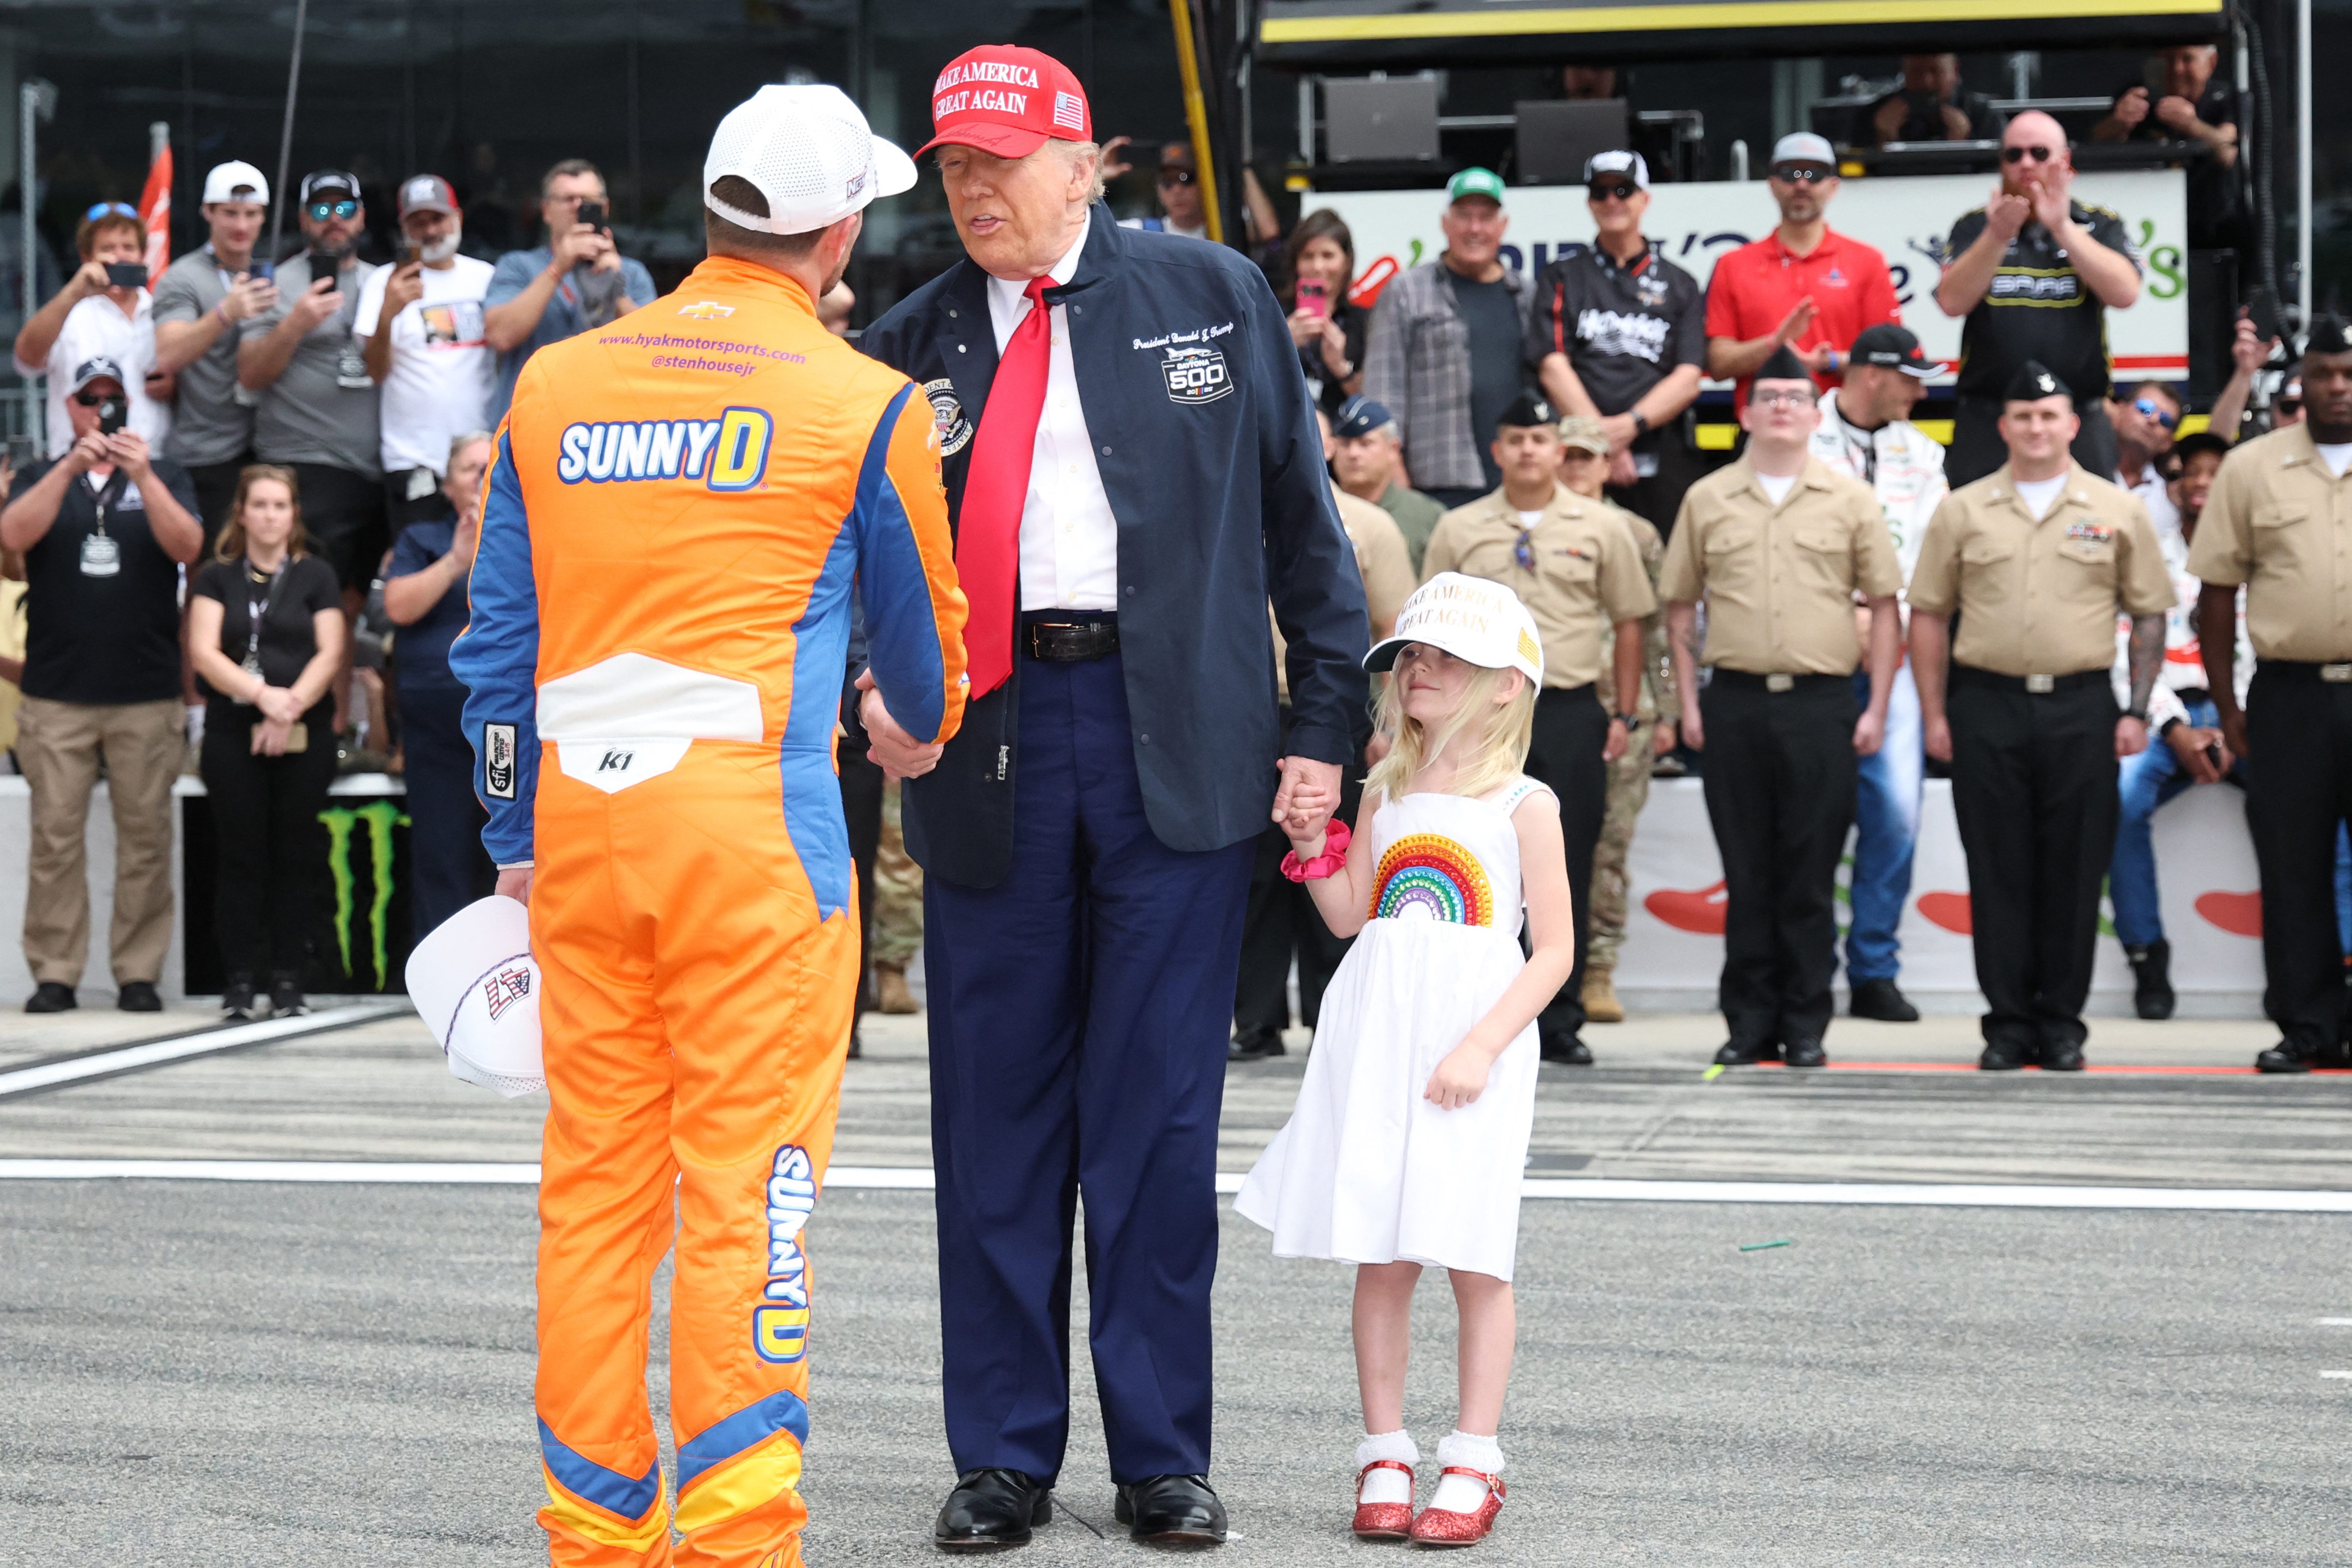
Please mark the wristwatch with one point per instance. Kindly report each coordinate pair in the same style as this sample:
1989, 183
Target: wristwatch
1641, 422
2170, 726
1631, 724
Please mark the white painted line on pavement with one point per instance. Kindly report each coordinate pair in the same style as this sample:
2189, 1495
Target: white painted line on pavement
2336, 1374
203, 1042
2334, 1323
917, 1178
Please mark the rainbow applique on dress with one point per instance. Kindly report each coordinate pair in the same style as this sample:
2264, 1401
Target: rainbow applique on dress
1431, 875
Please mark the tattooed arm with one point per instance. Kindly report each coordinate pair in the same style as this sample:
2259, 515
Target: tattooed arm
2147, 659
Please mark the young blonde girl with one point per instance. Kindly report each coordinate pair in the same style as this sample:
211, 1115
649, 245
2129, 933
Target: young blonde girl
1410, 1131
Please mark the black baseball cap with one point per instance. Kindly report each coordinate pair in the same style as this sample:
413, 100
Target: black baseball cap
1892, 348
98, 367
329, 185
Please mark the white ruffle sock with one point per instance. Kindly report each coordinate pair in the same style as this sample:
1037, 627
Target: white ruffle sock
1465, 1494
1386, 1485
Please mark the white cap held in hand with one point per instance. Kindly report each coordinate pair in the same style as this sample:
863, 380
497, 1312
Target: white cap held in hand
475, 985
808, 151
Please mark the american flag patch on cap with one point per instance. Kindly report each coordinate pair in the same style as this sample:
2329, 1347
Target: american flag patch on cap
1069, 111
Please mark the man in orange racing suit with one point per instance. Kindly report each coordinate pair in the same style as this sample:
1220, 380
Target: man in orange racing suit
681, 505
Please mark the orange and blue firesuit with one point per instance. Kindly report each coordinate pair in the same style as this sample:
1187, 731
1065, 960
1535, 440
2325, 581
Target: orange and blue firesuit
681, 507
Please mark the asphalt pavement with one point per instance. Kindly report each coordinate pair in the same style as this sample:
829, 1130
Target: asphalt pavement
291, 1374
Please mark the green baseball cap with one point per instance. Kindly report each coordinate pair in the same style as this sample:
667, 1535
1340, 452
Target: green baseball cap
1475, 182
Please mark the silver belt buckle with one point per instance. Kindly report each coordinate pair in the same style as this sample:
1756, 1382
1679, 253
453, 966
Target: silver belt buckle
2041, 686
2337, 672
1779, 683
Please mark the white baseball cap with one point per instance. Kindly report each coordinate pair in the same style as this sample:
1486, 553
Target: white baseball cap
808, 149
226, 178
475, 985
1619, 162
1804, 147
1477, 622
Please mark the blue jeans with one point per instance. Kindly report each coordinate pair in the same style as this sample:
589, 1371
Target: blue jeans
1886, 829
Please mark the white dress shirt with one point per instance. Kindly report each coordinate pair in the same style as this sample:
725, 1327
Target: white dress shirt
1069, 540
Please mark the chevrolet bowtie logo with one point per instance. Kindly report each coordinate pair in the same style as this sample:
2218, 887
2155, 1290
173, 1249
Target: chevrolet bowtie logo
706, 310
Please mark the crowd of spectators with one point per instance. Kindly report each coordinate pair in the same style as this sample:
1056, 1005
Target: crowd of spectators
241, 461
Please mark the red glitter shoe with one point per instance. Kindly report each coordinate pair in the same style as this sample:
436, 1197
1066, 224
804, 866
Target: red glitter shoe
1384, 1520
1444, 1527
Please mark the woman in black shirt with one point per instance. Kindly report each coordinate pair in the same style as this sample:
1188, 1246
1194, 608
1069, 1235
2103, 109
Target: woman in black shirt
266, 633
1331, 339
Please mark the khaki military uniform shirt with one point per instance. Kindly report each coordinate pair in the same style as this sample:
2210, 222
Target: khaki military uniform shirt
2038, 597
1780, 580
1383, 561
2278, 522
1657, 666
1579, 575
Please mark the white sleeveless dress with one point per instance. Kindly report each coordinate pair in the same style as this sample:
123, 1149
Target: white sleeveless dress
1366, 1170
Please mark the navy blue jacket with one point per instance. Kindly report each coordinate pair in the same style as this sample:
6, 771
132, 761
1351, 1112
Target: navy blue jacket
1206, 440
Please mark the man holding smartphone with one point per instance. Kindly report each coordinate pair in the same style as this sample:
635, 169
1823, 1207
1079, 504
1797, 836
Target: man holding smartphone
103, 312
421, 335
200, 302
579, 279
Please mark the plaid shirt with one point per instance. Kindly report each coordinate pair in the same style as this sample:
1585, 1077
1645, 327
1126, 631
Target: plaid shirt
1418, 364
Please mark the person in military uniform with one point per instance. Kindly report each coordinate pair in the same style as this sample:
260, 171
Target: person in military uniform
2275, 521
1778, 547
2035, 273
1572, 562
1584, 468
2035, 559
897, 911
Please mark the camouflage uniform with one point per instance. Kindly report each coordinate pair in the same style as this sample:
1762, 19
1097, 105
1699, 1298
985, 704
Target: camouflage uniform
897, 893
1629, 775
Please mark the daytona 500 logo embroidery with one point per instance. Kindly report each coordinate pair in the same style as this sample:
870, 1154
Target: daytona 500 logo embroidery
780, 1327
1196, 375
730, 453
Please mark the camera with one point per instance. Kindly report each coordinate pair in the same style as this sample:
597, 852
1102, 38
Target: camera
113, 414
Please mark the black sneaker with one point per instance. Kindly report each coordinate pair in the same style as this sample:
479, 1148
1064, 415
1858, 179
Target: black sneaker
1566, 1050
2282, 1057
1735, 1054
286, 996
2152, 995
1804, 1053
237, 997
52, 997
1883, 1000
139, 997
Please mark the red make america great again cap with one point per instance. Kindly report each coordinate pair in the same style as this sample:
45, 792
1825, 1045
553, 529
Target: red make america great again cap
1007, 101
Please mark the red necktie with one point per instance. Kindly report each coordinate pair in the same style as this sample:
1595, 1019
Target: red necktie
996, 487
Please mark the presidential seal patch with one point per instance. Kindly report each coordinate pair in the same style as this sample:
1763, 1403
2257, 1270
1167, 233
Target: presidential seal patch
947, 416
1196, 375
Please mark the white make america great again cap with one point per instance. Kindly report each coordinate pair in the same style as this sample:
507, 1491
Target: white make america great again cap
1477, 622
808, 151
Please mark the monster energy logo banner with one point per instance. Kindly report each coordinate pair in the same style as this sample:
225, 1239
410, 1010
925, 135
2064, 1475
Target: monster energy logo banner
379, 817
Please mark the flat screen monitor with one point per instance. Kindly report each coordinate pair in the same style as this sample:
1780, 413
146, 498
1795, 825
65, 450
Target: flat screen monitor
1557, 135
1395, 120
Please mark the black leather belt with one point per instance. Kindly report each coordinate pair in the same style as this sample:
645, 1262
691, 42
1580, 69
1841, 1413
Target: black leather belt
2036, 685
1776, 685
2305, 670
1069, 636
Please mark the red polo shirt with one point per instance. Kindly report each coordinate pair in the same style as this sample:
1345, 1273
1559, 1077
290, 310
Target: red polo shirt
1756, 287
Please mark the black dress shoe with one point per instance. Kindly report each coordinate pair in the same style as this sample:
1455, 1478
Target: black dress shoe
1567, 1049
2062, 1056
1735, 1054
1254, 1045
2151, 967
1171, 1510
138, 997
989, 1509
2282, 1058
1804, 1053
1883, 1000
2003, 1057
51, 996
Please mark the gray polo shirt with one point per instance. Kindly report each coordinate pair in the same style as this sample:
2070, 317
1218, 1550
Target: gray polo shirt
309, 414
208, 425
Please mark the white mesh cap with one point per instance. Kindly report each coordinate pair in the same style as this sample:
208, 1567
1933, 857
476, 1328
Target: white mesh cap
806, 149
475, 985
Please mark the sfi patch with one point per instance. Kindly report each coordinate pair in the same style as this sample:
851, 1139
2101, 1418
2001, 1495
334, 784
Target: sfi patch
947, 416
1196, 375
498, 761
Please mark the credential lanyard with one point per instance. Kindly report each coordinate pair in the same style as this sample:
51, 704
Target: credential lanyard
257, 612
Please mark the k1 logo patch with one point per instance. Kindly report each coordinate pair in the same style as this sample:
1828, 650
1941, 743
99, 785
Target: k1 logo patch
1196, 375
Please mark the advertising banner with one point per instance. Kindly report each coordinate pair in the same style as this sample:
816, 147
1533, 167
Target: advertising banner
1907, 217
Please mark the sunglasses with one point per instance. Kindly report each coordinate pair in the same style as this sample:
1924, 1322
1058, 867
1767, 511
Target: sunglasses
1802, 173
1619, 190
2288, 404
2017, 155
322, 211
1789, 397
2150, 409
110, 210
1175, 176
91, 399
